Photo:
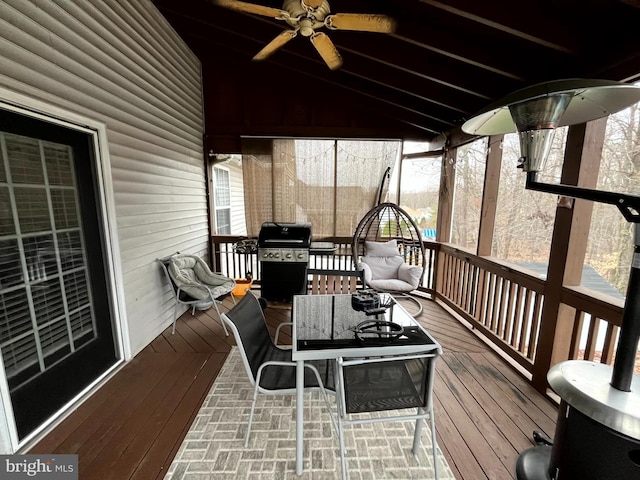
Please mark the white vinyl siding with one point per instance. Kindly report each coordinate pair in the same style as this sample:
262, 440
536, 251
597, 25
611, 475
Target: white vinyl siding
121, 64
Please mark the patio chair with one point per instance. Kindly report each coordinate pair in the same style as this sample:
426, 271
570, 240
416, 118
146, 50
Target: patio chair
195, 285
390, 384
270, 369
387, 245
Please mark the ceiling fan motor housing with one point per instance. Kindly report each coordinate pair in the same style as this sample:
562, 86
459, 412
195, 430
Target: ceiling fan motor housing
296, 9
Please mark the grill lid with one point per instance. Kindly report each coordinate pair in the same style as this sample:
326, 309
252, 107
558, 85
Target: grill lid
278, 234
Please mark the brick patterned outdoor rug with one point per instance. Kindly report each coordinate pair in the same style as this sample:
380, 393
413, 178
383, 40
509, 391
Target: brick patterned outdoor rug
214, 446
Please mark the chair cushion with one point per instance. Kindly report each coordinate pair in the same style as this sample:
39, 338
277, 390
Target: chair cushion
383, 268
381, 249
410, 274
192, 275
391, 285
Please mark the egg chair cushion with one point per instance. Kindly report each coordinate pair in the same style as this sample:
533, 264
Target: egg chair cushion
380, 268
381, 249
386, 270
411, 274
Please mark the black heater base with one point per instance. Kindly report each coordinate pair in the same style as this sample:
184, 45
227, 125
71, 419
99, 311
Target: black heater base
533, 464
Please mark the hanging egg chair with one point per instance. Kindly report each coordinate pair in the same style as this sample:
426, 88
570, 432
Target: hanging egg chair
388, 246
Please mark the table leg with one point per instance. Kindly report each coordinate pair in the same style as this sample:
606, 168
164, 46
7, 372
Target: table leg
299, 416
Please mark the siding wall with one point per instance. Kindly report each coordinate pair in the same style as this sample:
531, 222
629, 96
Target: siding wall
120, 63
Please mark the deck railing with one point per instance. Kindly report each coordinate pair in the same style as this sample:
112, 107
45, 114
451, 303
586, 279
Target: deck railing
235, 265
597, 321
503, 302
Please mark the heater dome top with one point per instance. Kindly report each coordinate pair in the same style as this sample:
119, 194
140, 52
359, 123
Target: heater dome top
589, 99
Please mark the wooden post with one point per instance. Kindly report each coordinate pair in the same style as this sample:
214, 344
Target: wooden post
488, 212
583, 153
445, 201
445, 210
490, 195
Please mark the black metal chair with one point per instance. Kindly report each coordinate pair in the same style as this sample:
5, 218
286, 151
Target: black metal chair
388, 384
270, 368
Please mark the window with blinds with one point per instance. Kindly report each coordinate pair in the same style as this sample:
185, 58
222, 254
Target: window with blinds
222, 200
46, 311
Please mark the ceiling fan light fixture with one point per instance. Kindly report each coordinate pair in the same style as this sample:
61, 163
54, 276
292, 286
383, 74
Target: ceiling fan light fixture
306, 27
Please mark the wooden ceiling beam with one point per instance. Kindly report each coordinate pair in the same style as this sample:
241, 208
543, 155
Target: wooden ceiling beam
286, 65
385, 86
529, 22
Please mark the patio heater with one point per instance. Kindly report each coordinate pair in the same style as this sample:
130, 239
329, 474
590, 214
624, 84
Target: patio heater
598, 429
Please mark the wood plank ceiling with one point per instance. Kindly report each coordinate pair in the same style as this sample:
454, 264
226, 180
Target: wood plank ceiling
446, 60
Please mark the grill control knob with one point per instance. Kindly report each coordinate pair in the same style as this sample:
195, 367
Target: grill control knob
276, 255
289, 255
301, 255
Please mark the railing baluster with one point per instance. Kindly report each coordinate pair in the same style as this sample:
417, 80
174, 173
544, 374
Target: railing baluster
517, 317
535, 326
592, 336
610, 339
578, 323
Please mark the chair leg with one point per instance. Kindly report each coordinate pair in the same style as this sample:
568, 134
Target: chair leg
253, 408
324, 394
215, 304
175, 317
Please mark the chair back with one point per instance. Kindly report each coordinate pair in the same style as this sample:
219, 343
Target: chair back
386, 383
330, 282
164, 263
246, 320
385, 222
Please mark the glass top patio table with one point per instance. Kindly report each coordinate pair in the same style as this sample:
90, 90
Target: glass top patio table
324, 327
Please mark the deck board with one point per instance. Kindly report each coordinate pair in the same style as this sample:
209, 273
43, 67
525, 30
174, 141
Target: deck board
156, 460
133, 426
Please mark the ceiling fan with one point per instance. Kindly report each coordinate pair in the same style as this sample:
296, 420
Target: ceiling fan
305, 17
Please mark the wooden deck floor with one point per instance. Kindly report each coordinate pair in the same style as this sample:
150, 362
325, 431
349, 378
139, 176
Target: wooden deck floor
133, 426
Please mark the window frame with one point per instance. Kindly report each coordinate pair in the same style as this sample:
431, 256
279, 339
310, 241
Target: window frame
216, 207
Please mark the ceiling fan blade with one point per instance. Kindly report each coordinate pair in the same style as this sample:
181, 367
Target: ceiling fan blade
364, 22
275, 44
327, 50
251, 8
312, 3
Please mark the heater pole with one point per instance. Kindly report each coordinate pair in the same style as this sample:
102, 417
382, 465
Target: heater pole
627, 349
629, 206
